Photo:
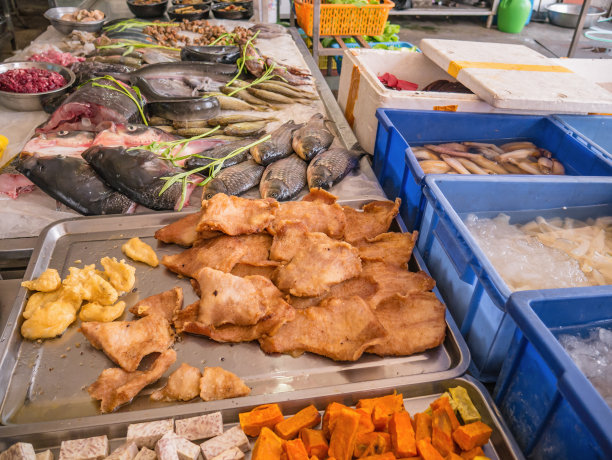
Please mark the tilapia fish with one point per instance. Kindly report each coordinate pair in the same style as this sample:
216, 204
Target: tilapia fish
234, 180
67, 143
220, 151
312, 138
132, 136
137, 173
330, 167
283, 179
74, 183
89, 107
279, 145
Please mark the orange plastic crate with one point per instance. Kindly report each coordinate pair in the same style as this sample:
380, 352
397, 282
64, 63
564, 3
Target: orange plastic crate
344, 19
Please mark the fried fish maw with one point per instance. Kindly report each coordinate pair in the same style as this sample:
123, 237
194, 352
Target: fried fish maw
38, 299
120, 274
103, 313
138, 250
90, 286
52, 318
48, 281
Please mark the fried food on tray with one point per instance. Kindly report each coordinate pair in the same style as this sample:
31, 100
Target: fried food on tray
103, 313
233, 215
391, 279
115, 386
374, 219
320, 195
183, 232
48, 281
251, 270
127, 342
138, 250
221, 253
164, 304
52, 317
361, 286
186, 321
89, 285
392, 248
229, 299
315, 262
217, 383
183, 385
414, 323
340, 329
316, 214
120, 274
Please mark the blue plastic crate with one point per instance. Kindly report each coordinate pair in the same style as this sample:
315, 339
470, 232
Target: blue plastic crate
548, 403
473, 291
338, 59
593, 130
398, 170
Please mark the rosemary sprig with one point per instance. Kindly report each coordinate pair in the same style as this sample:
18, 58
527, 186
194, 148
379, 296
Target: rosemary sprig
136, 24
165, 148
121, 88
213, 169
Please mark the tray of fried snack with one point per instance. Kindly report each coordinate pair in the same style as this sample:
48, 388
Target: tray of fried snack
160, 313
427, 419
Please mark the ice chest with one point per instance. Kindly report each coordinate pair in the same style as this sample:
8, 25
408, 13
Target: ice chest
472, 289
361, 93
549, 404
400, 174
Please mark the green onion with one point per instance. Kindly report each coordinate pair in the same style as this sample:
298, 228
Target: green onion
121, 88
213, 169
136, 24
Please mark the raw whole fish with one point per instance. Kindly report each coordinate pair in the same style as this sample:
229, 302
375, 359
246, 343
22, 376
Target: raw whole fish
312, 138
220, 151
279, 145
213, 54
138, 174
73, 182
330, 167
132, 136
89, 107
283, 179
234, 180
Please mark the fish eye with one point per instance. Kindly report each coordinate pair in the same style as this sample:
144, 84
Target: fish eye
63, 133
132, 128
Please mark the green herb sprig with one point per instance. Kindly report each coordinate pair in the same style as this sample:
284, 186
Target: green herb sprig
241, 61
131, 45
121, 88
213, 169
121, 26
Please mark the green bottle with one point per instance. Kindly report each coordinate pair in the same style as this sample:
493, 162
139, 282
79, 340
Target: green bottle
512, 15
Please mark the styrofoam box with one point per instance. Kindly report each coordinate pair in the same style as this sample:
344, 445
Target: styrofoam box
370, 94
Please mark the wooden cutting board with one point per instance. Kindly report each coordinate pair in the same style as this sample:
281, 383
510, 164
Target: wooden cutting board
517, 77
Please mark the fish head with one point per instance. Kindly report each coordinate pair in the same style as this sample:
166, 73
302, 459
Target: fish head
59, 142
131, 135
274, 188
320, 178
213, 188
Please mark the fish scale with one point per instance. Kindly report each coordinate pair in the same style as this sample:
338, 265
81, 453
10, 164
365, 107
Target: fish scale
312, 138
279, 145
330, 167
234, 180
283, 179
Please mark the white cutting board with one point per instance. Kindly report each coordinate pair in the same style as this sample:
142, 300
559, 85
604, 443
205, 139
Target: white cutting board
490, 71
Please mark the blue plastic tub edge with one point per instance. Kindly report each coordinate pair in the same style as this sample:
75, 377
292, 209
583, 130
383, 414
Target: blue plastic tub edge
576, 124
573, 384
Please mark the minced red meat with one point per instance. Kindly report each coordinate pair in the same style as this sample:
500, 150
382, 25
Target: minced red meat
30, 80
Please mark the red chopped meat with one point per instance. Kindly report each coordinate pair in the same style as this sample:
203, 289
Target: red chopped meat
56, 57
392, 82
30, 80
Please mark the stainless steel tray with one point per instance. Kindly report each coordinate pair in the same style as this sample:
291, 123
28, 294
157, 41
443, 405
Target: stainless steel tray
44, 383
417, 398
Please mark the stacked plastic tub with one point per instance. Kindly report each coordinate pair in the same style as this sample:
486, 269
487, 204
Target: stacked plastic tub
545, 403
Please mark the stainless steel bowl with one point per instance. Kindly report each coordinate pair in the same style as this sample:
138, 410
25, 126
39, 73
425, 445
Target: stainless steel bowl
567, 14
65, 27
29, 102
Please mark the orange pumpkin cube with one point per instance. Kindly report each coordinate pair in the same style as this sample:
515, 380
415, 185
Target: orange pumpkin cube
314, 442
428, 451
373, 443
441, 432
472, 435
295, 450
343, 435
423, 426
402, 435
290, 427
267, 415
268, 446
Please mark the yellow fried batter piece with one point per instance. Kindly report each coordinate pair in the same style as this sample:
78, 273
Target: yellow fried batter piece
48, 281
90, 286
101, 313
120, 274
140, 251
38, 299
52, 318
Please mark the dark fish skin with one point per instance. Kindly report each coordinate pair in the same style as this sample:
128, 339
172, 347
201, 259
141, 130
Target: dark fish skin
137, 173
73, 182
283, 179
234, 180
279, 145
330, 167
312, 138
220, 152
